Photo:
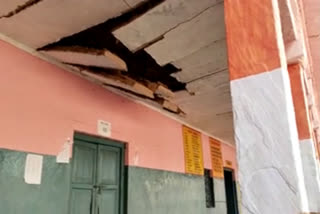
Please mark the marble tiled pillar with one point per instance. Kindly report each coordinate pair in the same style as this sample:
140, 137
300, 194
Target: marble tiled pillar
270, 169
307, 145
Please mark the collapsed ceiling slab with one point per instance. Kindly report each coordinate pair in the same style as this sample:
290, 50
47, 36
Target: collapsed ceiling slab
199, 51
160, 90
167, 107
54, 19
206, 61
198, 105
87, 57
190, 36
216, 82
159, 20
119, 81
170, 54
140, 64
154, 93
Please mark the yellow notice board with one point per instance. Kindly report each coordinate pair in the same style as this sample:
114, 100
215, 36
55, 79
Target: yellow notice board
228, 164
216, 158
192, 151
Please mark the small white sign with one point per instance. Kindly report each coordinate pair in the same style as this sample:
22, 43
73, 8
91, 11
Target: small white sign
64, 154
33, 169
104, 128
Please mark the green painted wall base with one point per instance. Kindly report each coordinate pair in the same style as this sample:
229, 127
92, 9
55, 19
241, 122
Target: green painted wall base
148, 191
17, 197
161, 192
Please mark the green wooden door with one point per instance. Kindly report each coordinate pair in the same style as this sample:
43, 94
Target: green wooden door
108, 180
83, 178
96, 179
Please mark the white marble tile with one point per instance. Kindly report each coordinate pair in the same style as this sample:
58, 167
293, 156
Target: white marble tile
239, 196
270, 169
311, 174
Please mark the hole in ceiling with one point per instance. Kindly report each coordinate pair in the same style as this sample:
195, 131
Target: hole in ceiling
144, 74
141, 66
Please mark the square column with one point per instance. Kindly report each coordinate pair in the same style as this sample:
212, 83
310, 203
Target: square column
307, 144
270, 168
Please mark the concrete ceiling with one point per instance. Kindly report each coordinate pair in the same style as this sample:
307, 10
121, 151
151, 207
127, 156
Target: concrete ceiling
192, 39
187, 34
7, 6
47, 21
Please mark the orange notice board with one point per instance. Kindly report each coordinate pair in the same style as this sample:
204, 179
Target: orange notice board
216, 158
192, 151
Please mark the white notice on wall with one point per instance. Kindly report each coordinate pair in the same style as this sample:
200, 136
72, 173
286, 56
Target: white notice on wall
33, 169
104, 128
64, 154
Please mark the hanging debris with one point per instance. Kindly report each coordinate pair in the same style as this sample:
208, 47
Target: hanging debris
116, 79
160, 89
87, 56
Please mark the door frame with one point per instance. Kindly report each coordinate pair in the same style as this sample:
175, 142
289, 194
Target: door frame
98, 140
234, 187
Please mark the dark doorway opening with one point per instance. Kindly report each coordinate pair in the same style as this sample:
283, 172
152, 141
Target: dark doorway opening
231, 192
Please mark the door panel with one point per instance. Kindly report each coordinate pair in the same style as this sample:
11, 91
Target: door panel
81, 201
96, 177
109, 162
84, 163
108, 165
108, 202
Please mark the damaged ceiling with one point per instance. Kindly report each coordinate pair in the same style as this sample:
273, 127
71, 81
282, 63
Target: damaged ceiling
170, 54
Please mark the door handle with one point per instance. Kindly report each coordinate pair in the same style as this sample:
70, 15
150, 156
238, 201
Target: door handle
98, 189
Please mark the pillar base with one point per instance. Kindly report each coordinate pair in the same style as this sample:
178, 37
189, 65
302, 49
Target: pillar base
270, 169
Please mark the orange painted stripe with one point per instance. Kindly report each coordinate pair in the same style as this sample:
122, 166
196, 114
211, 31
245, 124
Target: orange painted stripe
299, 101
251, 37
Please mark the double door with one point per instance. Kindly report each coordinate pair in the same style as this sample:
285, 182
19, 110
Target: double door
96, 178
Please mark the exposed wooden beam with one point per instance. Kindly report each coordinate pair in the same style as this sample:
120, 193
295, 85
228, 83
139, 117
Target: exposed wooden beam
170, 106
120, 81
87, 57
160, 90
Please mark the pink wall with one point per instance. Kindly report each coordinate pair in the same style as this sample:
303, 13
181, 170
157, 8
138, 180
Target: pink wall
311, 11
42, 105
